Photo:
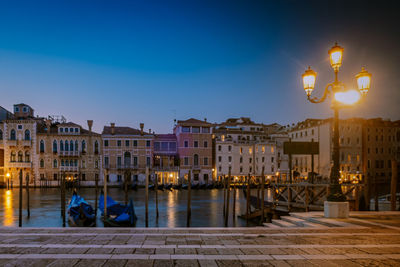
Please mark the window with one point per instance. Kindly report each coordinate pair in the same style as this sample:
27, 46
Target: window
205, 129
185, 129
186, 161
118, 142
96, 147
12, 156
119, 162
27, 135
66, 130
41, 163
20, 156
27, 156
84, 176
135, 143
76, 130
12, 135
96, 164
41, 146
71, 145
61, 130
16, 109
172, 146
312, 131
164, 146
62, 162
83, 147
205, 161
205, 144
19, 127
205, 177
61, 145
148, 161
55, 163
71, 130
148, 143
186, 143
195, 129
195, 143
230, 158
135, 161
219, 148
272, 159
250, 160
66, 148
55, 176
106, 162
119, 178
262, 159
196, 160
241, 160
229, 148
126, 142
106, 143
241, 169
76, 145
241, 150
195, 176
54, 146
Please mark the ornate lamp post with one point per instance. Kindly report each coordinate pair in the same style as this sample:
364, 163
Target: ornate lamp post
340, 97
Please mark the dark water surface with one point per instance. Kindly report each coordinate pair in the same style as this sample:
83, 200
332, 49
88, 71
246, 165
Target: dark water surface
207, 207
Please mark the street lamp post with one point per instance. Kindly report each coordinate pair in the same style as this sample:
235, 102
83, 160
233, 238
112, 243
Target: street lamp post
341, 97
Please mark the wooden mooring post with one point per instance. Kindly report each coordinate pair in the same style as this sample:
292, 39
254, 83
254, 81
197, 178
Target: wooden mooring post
189, 209
262, 194
393, 185
234, 202
63, 200
156, 188
105, 194
20, 199
96, 192
248, 200
224, 188
27, 197
147, 196
227, 197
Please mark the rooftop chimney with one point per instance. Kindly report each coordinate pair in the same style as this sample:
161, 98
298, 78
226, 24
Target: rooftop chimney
112, 128
90, 124
48, 125
141, 128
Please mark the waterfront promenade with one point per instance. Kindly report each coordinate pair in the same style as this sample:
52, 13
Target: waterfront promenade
365, 239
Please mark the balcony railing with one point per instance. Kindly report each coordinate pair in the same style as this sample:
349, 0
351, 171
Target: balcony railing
69, 168
12, 142
25, 142
125, 166
165, 168
69, 153
20, 164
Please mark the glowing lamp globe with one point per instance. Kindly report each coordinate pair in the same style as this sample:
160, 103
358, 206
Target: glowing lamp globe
309, 78
363, 81
336, 56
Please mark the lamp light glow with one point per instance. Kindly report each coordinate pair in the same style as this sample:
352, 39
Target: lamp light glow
336, 56
309, 78
8, 175
349, 97
363, 81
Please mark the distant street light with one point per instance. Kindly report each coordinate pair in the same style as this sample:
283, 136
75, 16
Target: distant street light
340, 97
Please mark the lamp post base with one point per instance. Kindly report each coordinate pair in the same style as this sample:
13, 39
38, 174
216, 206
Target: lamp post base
333, 209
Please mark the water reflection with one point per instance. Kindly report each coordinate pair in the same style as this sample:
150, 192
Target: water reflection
8, 209
207, 207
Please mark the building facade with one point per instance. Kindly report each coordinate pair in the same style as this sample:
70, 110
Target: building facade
127, 152
166, 158
247, 147
194, 140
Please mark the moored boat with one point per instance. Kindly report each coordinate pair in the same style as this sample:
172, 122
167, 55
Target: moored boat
80, 213
118, 215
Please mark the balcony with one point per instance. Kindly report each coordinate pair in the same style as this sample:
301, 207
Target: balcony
19, 164
69, 168
69, 153
25, 143
12, 142
165, 168
128, 167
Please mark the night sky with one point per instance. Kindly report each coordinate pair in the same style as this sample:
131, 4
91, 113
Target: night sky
152, 61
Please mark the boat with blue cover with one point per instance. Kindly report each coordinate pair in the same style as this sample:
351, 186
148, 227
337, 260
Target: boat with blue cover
118, 215
80, 213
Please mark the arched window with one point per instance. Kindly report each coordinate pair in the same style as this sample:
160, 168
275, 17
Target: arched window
55, 163
41, 149
83, 146
55, 146
61, 145
71, 145
66, 163
76, 145
66, 146
27, 135
127, 159
1, 135
12, 134
27, 156
196, 160
12, 156
96, 147
20, 156
62, 162
41, 163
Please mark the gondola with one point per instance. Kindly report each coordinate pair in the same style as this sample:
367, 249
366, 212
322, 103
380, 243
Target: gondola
134, 186
168, 187
203, 186
177, 186
80, 213
195, 186
161, 187
151, 187
185, 186
210, 186
118, 215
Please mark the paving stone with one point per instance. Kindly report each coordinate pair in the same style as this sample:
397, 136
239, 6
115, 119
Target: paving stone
184, 263
78, 250
144, 251
255, 263
115, 263
230, 263
207, 251
90, 263
123, 251
208, 263
278, 263
139, 263
63, 263
229, 251
250, 251
164, 251
99, 251
185, 251
274, 251
163, 263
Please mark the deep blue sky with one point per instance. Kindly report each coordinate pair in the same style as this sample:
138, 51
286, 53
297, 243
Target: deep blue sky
149, 61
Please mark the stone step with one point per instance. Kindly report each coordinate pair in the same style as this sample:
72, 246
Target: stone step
270, 225
283, 223
319, 220
301, 222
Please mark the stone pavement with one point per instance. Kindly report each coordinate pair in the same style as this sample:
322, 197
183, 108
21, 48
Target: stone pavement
372, 240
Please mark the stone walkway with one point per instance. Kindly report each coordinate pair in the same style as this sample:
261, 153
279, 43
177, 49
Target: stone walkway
374, 240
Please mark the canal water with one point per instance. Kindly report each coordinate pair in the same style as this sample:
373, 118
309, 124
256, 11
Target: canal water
207, 207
